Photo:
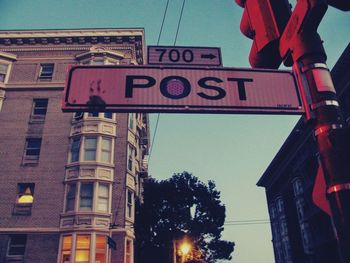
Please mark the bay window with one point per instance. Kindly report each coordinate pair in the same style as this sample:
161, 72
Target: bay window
86, 196
103, 197
90, 145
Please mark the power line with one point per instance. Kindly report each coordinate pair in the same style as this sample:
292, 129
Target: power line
160, 33
179, 22
161, 27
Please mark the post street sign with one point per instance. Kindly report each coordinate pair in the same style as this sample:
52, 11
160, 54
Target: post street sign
185, 89
186, 56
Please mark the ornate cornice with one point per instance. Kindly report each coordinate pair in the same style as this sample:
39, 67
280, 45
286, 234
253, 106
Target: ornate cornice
72, 39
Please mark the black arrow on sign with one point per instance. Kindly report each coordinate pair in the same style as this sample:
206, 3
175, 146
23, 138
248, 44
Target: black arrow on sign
210, 56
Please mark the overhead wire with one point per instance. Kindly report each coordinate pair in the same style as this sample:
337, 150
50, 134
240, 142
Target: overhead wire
175, 40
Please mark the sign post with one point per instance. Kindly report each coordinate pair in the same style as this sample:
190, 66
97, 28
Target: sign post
181, 89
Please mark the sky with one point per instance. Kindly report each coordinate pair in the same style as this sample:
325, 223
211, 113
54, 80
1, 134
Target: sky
232, 150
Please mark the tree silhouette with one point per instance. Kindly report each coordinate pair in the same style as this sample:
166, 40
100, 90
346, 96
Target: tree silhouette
177, 207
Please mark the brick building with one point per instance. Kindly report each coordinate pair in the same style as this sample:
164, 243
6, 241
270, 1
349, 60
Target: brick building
68, 181
301, 232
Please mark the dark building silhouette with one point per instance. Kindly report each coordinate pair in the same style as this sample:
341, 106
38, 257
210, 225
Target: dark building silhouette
301, 232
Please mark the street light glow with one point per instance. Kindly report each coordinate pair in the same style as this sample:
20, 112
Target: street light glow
185, 248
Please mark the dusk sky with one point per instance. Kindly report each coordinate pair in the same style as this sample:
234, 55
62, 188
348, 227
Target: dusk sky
232, 150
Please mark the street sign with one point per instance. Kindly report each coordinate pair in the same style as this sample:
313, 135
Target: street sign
185, 56
185, 89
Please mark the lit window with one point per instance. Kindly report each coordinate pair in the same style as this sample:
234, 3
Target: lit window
108, 115
130, 203
86, 196
131, 153
75, 148
71, 189
25, 193
66, 249
90, 149
3, 72
106, 150
46, 71
82, 248
39, 107
131, 121
128, 250
103, 197
16, 247
33, 146
100, 249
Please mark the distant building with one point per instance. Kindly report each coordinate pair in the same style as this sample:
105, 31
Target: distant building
301, 232
68, 181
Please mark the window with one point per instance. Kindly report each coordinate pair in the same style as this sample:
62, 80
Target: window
46, 71
86, 196
101, 245
24, 200
82, 248
3, 72
103, 197
66, 249
25, 193
128, 250
16, 247
78, 247
297, 186
131, 121
131, 153
106, 150
33, 146
75, 148
39, 107
108, 115
93, 114
130, 203
71, 189
78, 116
90, 149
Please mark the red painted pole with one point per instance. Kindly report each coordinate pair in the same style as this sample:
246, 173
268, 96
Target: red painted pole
321, 103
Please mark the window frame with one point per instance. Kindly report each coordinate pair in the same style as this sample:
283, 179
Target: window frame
89, 197
10, 245
45, 74
28, 148
100, 197
76, 149
71, 197
40, 108
5, 73
130, 202
103, 150
86, 138
92, 247
130, 157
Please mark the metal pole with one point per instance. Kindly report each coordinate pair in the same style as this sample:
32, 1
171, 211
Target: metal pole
330, 131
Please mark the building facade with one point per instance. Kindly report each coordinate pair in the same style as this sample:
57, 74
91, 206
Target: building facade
68, 181
301, 232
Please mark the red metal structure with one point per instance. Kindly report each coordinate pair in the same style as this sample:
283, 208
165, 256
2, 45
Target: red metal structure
301, 46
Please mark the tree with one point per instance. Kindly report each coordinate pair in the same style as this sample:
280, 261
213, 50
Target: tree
177, 207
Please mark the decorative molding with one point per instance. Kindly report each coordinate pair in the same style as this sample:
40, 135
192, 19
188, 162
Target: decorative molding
29, 230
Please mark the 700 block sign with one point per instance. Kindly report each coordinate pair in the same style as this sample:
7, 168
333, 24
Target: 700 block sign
169, 89
185, 56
